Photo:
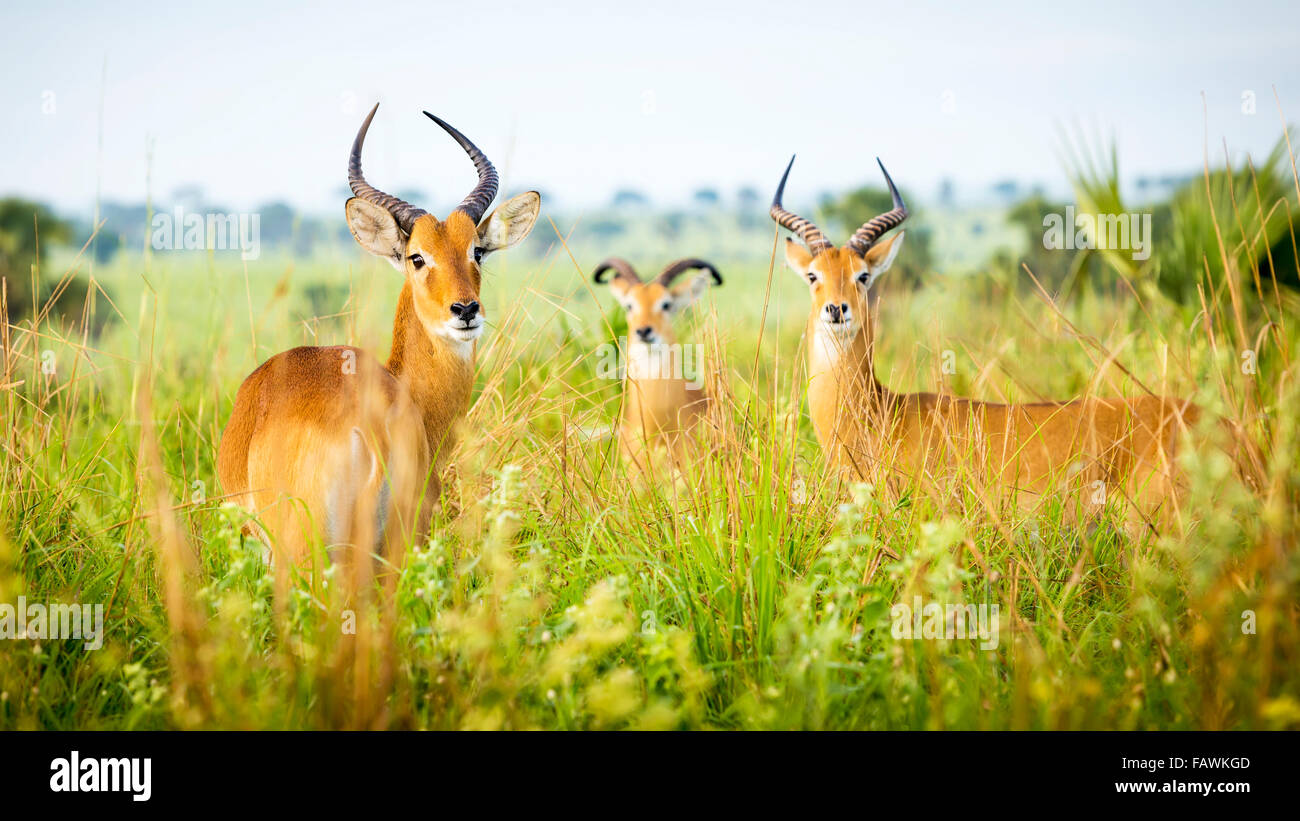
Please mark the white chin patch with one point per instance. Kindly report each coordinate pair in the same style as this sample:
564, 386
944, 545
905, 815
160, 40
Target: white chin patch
456, 333
832, 340
843, 331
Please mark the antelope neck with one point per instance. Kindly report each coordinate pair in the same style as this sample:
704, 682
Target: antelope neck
438, 372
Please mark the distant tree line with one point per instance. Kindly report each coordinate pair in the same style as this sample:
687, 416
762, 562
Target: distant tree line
28, 230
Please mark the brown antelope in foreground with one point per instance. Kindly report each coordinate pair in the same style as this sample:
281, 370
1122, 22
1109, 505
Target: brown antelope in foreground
660, 405
328, 441
1123, 444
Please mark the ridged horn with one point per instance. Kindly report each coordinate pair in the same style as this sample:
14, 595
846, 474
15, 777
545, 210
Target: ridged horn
402, 211
866, 236
478, 200
622, 270
811, 235
679, 267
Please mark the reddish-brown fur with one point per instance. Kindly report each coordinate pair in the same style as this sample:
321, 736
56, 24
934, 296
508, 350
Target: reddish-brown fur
660, 409
290, 450
1126, 445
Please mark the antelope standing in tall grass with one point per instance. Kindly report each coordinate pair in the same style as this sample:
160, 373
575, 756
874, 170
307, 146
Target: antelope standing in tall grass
330, 442
1124, 444
661, 407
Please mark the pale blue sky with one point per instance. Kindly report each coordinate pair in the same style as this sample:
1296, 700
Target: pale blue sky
254, 101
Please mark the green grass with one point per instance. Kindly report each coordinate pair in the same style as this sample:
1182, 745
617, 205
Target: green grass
561, 592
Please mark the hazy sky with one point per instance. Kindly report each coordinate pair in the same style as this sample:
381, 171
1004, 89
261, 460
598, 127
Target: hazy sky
255, 100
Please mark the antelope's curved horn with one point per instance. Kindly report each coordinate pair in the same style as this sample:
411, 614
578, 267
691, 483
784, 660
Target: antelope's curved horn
811, 235
476, 203
622, 270
402, 211
866, 236
677, 268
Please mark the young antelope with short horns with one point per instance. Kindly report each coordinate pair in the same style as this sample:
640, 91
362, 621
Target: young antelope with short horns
661, 405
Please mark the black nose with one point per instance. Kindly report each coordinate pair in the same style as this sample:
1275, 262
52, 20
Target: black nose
465, 310
645, 332
834, 311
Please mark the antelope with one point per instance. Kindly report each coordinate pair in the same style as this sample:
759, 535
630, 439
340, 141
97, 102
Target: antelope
1122, 444
329, 441
660, 406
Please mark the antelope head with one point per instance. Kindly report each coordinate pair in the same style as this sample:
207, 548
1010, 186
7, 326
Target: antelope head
651, 306
839, 279
440, 258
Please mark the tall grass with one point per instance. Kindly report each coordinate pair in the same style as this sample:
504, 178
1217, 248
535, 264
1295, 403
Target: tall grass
558, 591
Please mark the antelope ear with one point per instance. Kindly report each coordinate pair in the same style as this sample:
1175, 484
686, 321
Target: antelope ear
375, 229
881, 255
797, 256
620, 287
511, 222
686, 293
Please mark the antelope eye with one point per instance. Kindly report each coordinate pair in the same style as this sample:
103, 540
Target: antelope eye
666, 306
417, 261
478, 254
812, 276
864, 276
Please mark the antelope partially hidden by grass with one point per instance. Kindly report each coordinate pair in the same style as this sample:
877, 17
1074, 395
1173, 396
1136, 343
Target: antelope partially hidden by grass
328, 442
661, 406
1123, 445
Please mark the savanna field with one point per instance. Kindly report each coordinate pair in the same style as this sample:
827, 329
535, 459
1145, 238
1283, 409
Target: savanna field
557, 590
